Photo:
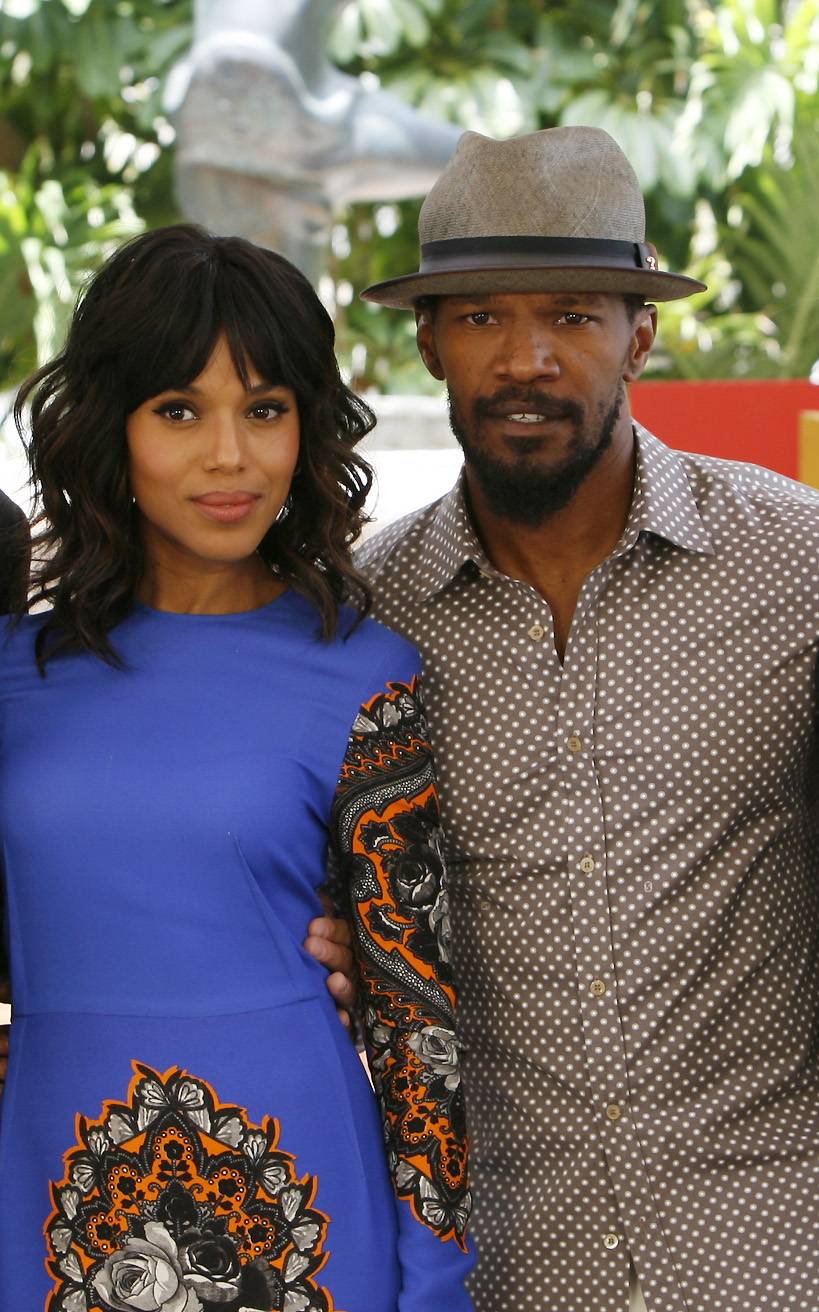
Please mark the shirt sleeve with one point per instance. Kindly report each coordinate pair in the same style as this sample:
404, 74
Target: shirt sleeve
387, 841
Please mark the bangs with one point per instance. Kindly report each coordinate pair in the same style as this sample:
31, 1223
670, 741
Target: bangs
168, 347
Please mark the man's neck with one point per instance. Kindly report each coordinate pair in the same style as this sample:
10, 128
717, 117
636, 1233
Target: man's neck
557, 555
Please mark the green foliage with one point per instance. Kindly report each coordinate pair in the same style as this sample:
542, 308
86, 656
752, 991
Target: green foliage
777, 254
714, 101
83, 152
52, 234
706, 336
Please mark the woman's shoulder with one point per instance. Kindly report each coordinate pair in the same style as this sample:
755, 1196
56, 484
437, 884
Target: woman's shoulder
370, 636
361, 659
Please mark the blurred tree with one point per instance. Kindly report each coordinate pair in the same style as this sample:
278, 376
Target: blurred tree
715, 102
82, 158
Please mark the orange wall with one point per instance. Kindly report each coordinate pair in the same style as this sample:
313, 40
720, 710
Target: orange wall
755, 421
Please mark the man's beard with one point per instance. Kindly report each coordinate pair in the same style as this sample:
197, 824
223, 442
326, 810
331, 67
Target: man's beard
518, 490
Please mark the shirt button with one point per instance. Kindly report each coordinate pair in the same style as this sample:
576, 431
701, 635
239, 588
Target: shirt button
613, 1111
587, 865
537, 632
574, 744
597, 988
611, 1240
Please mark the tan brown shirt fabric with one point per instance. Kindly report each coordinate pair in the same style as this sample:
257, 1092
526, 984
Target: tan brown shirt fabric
634, 861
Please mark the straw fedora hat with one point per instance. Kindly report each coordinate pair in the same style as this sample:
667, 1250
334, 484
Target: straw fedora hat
553, 211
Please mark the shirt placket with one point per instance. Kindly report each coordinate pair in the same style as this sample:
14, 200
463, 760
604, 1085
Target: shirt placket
637, 1224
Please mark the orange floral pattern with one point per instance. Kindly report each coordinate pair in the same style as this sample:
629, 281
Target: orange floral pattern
175, 1202
388, 841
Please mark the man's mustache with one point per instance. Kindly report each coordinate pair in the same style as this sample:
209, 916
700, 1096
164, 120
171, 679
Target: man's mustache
539, 403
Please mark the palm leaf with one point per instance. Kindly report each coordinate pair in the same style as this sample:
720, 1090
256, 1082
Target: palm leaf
777, 259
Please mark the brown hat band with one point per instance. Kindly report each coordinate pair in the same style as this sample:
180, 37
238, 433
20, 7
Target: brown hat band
473, 253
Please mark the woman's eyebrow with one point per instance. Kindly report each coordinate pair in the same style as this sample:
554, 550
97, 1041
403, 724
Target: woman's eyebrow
190, 389
263, 387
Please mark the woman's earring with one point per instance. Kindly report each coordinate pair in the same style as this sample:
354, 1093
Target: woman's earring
285, 510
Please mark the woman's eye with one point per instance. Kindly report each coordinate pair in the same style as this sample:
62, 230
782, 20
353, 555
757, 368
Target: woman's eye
268, 410
176, 411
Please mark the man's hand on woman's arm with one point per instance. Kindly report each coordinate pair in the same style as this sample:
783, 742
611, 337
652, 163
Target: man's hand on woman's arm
329, 940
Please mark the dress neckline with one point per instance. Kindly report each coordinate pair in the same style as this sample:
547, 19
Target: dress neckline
141, 607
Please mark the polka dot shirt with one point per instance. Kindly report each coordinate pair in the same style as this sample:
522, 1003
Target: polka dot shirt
634, 868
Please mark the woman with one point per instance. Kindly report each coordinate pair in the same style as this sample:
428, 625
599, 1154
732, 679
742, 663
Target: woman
186, 730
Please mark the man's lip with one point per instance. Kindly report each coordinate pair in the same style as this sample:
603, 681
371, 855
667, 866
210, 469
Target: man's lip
539, 427
510, 411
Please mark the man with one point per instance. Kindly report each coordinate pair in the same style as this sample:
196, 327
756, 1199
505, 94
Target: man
620, 644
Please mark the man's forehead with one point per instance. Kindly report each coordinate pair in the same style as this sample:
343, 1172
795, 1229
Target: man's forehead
560, 300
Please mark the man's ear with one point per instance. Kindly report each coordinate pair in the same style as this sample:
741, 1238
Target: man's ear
644, 330
425, 338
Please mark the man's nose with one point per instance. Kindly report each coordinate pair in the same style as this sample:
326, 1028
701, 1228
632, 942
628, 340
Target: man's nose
225, 447
527, 352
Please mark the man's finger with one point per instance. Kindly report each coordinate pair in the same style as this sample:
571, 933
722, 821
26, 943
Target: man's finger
333, 928
342, 991
329, 941
334, 956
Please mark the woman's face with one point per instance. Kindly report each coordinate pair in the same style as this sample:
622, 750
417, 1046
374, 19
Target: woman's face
211, 465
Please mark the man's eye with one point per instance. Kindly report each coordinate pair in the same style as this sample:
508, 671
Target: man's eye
479, 318
574, 318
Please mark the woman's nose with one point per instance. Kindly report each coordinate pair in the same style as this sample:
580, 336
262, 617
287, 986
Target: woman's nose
225, 448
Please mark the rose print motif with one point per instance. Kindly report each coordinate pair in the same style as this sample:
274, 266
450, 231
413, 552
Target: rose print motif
438, 1049
145, 1274
416, 867
211, 1267
175, 1202
440, 924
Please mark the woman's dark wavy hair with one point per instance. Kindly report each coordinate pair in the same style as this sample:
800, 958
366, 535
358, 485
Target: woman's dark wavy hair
148, 323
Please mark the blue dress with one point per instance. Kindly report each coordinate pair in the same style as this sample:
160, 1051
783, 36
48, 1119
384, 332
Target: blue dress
186, 1125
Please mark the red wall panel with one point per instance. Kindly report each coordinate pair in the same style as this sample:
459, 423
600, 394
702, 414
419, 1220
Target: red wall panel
756, 421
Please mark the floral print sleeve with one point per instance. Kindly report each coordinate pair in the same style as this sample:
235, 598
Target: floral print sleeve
387, 842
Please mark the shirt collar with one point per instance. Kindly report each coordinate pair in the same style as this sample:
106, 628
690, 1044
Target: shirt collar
663, 501
450, 543
663, 504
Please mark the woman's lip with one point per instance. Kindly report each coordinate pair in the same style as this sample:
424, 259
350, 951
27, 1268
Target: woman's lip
226, 507
226, 498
